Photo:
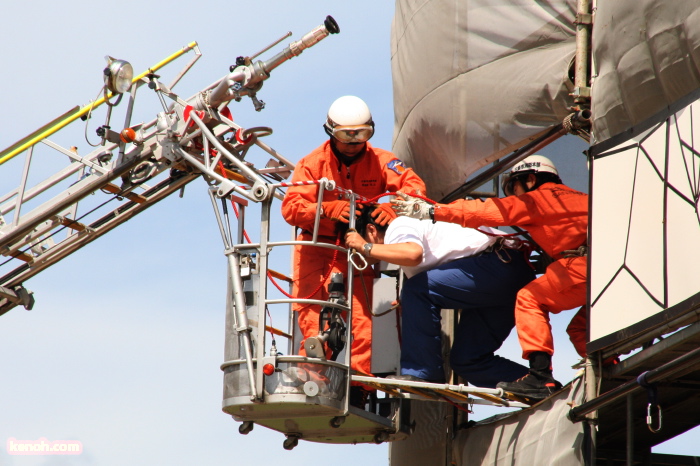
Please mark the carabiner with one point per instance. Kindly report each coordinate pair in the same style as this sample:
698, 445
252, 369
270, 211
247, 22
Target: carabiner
353, 253
652, 394
502, 258
649, 418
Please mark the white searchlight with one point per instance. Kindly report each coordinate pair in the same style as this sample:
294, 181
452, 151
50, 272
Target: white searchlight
118, 75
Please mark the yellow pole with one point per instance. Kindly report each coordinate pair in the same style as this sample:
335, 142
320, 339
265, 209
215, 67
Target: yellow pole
9, 153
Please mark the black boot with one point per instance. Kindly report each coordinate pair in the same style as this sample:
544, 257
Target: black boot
539, 383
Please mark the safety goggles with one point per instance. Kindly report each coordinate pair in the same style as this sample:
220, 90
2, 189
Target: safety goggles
509, 184
352, 134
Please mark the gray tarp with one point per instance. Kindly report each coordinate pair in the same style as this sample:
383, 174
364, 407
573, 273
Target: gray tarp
648, 57
474, 79
542, 435
537, 436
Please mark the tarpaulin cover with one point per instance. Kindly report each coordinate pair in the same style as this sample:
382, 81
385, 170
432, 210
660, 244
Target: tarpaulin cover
540, 435
474, 79
648, 56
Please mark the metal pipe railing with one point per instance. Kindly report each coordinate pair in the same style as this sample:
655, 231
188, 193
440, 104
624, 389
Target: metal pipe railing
667, 370
583, 41
552, 135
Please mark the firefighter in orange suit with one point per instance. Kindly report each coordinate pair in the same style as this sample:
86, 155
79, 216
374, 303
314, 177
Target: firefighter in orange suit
556, 217
349, 160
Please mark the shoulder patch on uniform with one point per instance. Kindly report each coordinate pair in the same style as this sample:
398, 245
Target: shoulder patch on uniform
397, 166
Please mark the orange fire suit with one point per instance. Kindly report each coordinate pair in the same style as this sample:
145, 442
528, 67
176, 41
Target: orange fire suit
371, 173
556, 217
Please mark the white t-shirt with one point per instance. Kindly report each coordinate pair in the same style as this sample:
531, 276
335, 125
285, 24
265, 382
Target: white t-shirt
441, 242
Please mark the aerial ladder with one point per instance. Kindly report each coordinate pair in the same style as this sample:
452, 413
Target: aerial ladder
134, 166
124, 162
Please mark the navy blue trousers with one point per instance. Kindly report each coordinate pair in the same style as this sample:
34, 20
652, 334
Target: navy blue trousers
484, 288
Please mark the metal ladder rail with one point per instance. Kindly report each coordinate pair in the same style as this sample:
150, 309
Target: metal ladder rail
93, 161
100, 176
48, 215
67, 201
93, 231
49, 212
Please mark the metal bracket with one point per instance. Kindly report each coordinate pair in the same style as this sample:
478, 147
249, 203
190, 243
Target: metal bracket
581, 92
19, 295
584, 18
245, 266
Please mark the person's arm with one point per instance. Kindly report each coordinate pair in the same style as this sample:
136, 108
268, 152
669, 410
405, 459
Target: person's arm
408, 254
493, 212
299, 204
403, 254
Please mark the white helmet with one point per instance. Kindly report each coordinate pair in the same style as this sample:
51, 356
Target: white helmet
532, 164
349, 120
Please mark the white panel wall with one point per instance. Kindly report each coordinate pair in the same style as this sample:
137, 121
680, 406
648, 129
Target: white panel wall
645, 226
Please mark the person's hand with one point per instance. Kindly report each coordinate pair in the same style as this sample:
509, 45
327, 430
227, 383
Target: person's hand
353, 240
411, 206
383, 214
338, 211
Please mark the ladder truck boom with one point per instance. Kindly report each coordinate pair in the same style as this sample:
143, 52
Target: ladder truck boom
189, 138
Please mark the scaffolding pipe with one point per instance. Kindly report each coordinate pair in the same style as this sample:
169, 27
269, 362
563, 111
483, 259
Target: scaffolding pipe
583, 40
667, 370
630, 432
552, 135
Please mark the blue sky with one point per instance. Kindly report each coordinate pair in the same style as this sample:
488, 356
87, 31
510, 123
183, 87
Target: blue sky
122, 350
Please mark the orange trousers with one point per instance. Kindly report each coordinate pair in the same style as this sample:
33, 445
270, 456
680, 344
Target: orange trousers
311, 264
562, 287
